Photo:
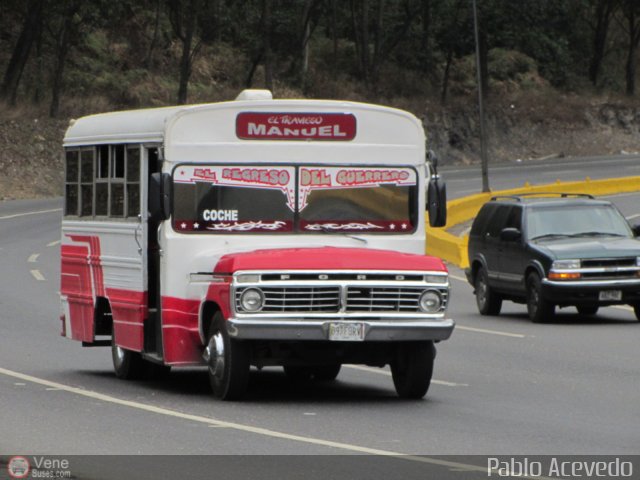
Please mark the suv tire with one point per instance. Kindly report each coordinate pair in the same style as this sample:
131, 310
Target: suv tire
488, 301
636, 309
539, 309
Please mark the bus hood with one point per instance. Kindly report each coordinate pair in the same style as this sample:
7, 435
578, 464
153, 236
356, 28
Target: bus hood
326, 258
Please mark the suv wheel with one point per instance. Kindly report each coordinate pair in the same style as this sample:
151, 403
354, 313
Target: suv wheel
539, 309
488, 301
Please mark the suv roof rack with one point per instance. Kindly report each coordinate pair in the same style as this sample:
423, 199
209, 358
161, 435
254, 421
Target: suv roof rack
541, 194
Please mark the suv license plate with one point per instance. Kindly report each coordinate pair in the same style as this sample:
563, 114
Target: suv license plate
346, 332
610, 295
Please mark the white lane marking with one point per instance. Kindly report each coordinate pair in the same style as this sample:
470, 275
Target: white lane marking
631, 217
33, 258
484, 330
53, 244
380, 371
16, 215
462, 279
490, 332
247, 428
37, 275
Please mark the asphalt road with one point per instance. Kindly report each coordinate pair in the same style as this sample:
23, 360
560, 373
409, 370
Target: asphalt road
502, 385
462, 181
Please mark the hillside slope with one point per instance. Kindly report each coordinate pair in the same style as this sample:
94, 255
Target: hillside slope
523, 128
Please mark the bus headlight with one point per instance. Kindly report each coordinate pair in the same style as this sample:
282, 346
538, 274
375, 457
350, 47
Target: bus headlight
252, 300
430, 301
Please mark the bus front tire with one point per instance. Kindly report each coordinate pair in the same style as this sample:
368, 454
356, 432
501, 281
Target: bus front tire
228, 361
412, 369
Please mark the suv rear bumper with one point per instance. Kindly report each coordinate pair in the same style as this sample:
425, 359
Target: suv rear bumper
587, 293
318, 329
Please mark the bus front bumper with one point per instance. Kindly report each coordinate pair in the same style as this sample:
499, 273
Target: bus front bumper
384, 330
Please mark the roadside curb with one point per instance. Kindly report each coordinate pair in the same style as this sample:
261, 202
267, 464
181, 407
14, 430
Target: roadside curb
453, 249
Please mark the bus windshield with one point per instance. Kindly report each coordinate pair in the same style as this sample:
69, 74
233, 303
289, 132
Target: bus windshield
287, 199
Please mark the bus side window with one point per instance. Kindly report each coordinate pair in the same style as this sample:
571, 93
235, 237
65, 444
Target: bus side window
86, 182
117, 181
102, 181
72, 179
133, 181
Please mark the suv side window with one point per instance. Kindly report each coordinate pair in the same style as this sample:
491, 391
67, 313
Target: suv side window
498, 220
480, 223
514, 219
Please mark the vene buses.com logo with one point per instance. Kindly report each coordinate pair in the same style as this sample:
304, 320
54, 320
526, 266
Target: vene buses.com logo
18, 467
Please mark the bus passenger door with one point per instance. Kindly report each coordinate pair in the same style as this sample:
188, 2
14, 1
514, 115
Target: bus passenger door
153, 328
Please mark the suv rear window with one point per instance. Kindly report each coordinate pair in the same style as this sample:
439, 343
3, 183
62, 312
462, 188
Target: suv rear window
480, 223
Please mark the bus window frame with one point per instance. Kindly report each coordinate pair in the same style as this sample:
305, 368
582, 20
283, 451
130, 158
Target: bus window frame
296, 213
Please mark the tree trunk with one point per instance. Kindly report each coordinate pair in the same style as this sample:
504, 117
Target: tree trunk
334, 35
305, 29
63, 42
20, 55
376, 60
484, 60
632, 49
154, 37
39, 82
364, 25
445, 77
266, 39
360, 22
604, 10
186, 57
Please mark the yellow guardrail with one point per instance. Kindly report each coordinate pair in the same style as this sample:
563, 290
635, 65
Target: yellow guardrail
453, 249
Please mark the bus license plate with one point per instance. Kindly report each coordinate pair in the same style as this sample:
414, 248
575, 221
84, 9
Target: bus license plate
346, 332
610, 295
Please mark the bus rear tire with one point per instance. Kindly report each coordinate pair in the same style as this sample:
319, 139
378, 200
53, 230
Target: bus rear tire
127, 364
228, 361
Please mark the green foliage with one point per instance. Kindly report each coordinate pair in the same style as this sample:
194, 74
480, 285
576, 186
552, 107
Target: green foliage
128, 54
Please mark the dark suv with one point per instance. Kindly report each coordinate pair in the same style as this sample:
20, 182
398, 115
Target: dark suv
553, 250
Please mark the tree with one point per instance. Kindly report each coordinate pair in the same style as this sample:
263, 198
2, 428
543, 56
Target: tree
387, 27
183, 15
64, 35
603, 12
15, 67
631, 24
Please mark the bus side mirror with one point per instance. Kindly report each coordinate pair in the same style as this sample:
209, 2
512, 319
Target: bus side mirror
160, 196
437, 202
433, 158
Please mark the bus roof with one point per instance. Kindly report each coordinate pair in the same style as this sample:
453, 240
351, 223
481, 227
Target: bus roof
154, 125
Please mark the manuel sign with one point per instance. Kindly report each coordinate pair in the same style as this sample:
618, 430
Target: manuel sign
295, 126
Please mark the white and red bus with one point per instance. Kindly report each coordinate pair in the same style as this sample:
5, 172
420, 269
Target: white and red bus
255, 232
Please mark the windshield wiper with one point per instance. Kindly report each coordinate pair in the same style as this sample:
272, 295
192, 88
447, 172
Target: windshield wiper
328, 230
550, 235
596, 234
